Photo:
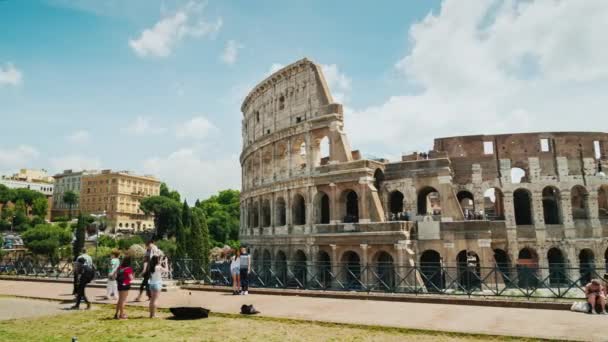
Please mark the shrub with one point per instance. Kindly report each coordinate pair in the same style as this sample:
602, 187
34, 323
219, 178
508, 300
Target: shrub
126, 243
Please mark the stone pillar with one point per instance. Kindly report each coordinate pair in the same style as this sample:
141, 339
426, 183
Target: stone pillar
365, 264
335, 267
509, 209
543, 263
364, 216
310, 193
566, 211
593, 209
334, 211
309, 153
288, 221
289, 161
538, 216
272, 211
573, 271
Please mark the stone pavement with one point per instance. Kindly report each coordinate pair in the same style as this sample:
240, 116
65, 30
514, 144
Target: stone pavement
14, 308
550, 324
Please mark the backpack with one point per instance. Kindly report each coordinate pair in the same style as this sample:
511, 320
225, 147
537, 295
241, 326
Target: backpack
248, 310
88, 272
120, 276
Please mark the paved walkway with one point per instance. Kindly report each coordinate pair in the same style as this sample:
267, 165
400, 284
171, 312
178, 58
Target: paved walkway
14, 308
550, 324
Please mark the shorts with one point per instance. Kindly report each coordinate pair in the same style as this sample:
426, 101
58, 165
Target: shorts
156, 286
235, 271
122, 287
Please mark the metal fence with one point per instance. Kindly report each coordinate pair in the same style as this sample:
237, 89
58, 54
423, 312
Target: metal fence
558, 281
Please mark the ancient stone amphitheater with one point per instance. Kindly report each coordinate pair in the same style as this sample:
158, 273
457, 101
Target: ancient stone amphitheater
536, 199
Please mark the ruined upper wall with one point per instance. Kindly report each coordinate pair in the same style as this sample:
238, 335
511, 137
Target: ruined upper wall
547, 147
288, 97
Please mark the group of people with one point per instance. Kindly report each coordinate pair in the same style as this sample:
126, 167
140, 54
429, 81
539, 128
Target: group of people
120, 277
240, 267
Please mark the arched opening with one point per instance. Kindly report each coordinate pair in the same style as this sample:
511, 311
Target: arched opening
602, 202
385, 271
493, 200
299, 210
518, 175
351, 203
352, 270
256, 263
378, 180
323, 152
587, 265
266, 213
255, 222
557, 266
280, 266
503, 265
467, 205
579, 200
527, 268
395, 204
469, 270
300, 269
280, 212
265, 271
522, 202
322, 214
551, 206
324, 269
428, 201
432, 272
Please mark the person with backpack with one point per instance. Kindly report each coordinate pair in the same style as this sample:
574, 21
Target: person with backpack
156, 281
151, 250
86, 273
112, 287
124, 277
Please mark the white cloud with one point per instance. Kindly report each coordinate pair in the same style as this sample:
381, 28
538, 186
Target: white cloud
9, 75
160, 40
74, 162
16, 158
231, 52
193, 176
339, 84
274, 68
196, 128
79, 137
494, 67
142, 125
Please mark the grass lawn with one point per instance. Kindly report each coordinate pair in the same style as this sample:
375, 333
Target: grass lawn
97, 325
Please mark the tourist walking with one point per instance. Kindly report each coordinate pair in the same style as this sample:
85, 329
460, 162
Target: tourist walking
86, 273
245, 268
151, 250
235, 271
111, 286
596, 295
158, 266
124, 277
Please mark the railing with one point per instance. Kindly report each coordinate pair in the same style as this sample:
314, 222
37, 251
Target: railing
557, 281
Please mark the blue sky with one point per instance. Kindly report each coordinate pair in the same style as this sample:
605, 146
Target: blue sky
83, 85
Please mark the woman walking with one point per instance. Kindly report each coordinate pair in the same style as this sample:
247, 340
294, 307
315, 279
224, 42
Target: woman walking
235, 271
112, 287
124, 276
156, 281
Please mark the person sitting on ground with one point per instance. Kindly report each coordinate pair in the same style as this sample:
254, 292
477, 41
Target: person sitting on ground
596, 295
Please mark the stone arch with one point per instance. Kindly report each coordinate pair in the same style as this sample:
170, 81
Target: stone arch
255, 219
280, 212
557, 266
280, 266
429, 201
432, 270
551, 205
527, 268
378, 179
322, 147
503, 265
300, 267
349, 201
266, 213
255, 260
579, 198
352, 269
395, 203
324, 275
522, 203
384, 269
469, 270
494, 208
602, 202
298, 210
322, 209
266, 260
586, 259
467, 204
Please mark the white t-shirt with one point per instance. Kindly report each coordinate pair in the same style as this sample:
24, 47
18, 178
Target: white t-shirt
157, 276
235, 263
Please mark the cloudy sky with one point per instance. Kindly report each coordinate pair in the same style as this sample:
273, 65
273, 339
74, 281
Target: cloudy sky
155, 86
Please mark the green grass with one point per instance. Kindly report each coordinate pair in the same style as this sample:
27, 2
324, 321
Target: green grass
98, 325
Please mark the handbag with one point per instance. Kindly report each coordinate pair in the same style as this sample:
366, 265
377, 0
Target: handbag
580, 307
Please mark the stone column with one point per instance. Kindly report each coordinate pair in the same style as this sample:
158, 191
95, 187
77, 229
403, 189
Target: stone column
272, 212
509, 209
335, 267
309, 153
593, 209
310, 193
538, 216
364, 216
364, 264
334, 211
573, 271
543, 263
289, 161
566, 211
288, 221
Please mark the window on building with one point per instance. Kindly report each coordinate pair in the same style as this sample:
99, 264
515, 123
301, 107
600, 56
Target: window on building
281, 102
544, 145
488, 147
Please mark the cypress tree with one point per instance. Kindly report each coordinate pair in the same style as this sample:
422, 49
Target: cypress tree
79, 236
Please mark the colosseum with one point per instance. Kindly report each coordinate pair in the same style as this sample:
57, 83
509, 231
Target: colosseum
538, 200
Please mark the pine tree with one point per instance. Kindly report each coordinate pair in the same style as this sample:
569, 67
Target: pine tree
79, 236
199, 240
181, 232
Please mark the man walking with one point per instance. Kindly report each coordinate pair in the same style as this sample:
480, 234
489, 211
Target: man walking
151, 250
245, 265
86, 273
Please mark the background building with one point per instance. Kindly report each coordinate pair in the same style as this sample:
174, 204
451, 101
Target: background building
118, 194
36, 180
67, 181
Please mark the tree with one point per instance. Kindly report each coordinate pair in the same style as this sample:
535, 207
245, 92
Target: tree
40, 207
46, 239
182, 232
71, 199
79, 236
6, 194
222, 212
126, 243
167, 214
199, 240
20, 220
166, 192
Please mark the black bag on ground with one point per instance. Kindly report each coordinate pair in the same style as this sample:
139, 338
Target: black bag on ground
189, 312
248, 310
